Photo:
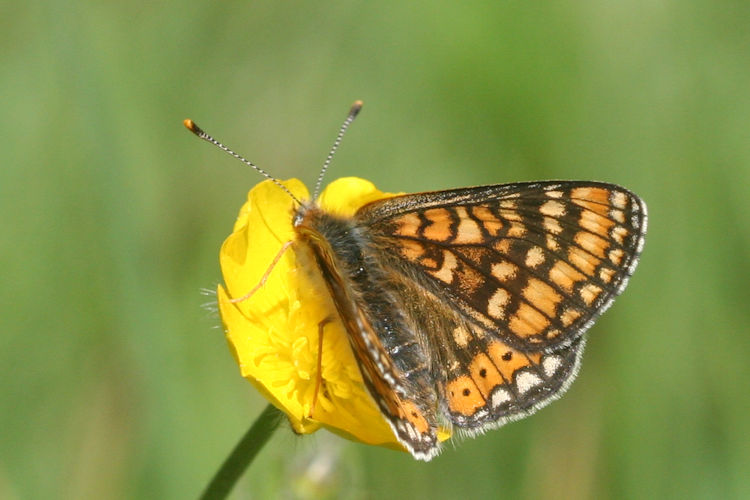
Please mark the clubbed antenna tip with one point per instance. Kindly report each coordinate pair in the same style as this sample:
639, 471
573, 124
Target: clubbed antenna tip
194, 128
356, 108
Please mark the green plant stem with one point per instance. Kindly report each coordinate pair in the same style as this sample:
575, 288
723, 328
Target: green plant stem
243, 454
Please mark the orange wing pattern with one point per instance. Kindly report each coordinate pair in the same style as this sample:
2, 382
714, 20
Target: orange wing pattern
534, 262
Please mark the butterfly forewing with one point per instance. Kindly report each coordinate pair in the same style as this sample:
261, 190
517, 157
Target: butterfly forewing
533, 262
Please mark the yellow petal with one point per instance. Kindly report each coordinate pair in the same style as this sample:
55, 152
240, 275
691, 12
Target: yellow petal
347, 195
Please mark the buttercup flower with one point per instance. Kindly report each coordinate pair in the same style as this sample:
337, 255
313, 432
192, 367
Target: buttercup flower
274, 334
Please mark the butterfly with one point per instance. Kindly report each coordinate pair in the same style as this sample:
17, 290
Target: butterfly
467, 308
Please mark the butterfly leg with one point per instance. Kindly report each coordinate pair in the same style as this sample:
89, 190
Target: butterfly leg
265, 276
319, 371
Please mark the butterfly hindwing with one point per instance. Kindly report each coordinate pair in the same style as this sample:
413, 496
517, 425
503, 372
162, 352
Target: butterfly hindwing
482, 381
493, 383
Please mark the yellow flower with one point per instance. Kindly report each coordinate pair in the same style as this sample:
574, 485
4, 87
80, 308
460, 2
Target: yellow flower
274, 333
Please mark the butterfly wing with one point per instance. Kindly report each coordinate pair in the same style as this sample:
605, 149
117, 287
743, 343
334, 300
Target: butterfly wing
535, 263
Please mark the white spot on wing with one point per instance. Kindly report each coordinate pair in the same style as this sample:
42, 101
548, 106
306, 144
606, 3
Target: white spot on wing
412, 432
526, 381
499, 396
552, 208
619, 199
534, 257
551, 364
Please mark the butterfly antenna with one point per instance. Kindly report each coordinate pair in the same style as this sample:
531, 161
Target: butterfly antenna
353, 112
194, 128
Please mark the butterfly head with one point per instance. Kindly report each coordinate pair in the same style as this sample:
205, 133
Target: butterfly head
303, 213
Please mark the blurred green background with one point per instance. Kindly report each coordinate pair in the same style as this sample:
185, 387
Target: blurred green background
116, 383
